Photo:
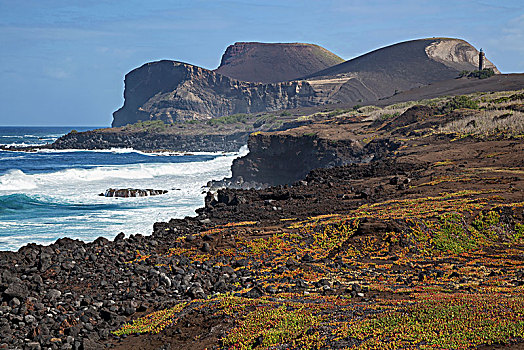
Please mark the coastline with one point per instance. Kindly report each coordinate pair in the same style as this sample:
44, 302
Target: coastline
425, 215
141, 141
110, 282
54, 194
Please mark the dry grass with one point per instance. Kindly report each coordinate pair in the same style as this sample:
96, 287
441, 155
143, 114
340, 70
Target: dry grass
493, 102
377, 113
487, 96
432, 102
367, 109
488, 123
500, 105
385, 113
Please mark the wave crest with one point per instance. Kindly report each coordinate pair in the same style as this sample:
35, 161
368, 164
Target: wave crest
16, 180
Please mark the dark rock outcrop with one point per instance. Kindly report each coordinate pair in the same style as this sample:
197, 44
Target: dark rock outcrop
103, 139
132, 192
276, 159
283, 157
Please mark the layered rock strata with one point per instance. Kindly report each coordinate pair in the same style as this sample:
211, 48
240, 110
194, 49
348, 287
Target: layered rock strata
174, 91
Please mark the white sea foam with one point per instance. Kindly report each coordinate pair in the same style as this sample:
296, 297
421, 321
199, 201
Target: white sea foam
73, 208
12, 158
243, 150
110, 150
16, 180
21, 144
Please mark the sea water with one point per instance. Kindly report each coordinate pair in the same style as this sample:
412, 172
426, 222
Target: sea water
49, 194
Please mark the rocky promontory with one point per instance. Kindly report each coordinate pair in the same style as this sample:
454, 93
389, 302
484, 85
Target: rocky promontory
173, 91
151, 141
170, 105
283, 157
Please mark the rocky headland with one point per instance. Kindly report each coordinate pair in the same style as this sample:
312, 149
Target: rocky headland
171, 105
261, 87
151, 140
216, 110
173, 91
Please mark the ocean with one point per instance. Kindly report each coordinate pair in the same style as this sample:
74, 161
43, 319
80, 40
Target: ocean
49, 194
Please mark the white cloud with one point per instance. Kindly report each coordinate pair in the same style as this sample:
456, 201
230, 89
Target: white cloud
514, 32
56, 73
507, 46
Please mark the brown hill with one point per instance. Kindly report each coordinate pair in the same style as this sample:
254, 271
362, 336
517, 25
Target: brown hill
452, 87
397, 67
274, 62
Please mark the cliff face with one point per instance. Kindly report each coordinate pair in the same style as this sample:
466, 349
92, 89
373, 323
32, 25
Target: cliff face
279, 159
283, 157
275, 62
173, 91
276, 158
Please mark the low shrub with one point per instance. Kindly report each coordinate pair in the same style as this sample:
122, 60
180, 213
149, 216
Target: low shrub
458, 102
147, 125
480, 74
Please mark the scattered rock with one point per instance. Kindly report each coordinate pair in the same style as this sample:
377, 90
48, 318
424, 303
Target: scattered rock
132, 192
17, 290
53, 294
206, 248
14, 302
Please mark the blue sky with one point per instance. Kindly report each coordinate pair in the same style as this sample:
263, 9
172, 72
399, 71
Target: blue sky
62, 62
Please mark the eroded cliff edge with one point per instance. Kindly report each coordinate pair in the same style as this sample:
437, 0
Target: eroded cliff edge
173, 91
284, 157
372, 134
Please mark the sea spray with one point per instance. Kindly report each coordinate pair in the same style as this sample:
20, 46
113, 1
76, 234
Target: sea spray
50, 194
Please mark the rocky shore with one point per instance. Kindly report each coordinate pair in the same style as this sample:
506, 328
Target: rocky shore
426, 219
73, 295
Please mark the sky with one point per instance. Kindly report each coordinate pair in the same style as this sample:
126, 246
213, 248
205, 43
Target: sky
62, 62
